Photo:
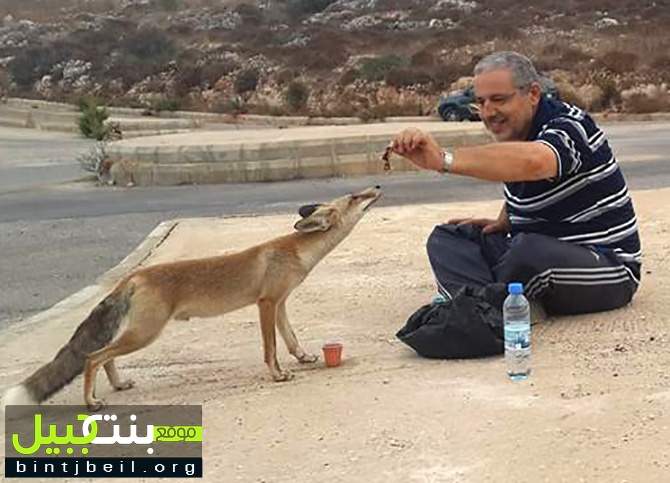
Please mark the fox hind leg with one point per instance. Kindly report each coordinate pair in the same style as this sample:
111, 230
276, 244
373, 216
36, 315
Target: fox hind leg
144, 326
114, 379
268, 314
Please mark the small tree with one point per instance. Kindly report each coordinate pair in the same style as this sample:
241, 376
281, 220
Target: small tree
297, 95
92, 119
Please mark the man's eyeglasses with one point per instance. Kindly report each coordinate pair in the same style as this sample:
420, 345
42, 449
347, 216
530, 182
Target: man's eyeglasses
496, 100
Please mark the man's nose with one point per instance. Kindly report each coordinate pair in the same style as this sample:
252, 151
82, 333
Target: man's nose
486, 110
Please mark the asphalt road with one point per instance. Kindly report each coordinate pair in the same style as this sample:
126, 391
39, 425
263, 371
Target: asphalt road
57, 235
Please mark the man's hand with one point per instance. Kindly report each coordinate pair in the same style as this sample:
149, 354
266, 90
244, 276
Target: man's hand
488, 225
420, 148
499, 225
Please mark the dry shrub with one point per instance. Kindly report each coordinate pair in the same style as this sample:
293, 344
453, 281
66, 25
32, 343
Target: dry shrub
619, 62
558, 55
611, 93
640, 103
264, 108
444, 75
661, 62
342, 109
570, 95
194, 71
649, 99
383, 110
348, 77
544, 64
423, 58
318, 60
403, 77
285, 76
571, 56
592, 96
325, 51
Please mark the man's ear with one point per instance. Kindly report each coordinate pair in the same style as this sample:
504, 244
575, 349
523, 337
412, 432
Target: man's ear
320, 220
535, 92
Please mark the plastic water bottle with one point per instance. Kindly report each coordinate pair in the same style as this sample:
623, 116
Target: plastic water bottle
516, 314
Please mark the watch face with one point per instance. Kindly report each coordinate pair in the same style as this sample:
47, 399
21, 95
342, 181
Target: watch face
447, 159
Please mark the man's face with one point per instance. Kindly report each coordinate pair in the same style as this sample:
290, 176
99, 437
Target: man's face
506, 111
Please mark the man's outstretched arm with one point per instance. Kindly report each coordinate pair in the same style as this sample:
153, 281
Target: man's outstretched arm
507, 162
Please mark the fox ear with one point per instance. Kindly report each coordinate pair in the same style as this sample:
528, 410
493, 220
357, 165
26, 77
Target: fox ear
307, 210
320, 220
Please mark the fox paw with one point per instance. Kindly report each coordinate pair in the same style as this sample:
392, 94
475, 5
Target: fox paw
96, 404
308, 358
125, 385
282, 376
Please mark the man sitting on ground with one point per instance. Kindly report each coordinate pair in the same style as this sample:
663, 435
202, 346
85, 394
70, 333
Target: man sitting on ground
567, 228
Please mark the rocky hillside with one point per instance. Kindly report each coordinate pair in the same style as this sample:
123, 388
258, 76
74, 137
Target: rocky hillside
370, 58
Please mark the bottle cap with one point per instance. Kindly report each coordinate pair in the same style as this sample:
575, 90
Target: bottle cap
515, 288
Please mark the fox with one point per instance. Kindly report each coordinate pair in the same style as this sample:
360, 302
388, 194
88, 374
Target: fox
148, 298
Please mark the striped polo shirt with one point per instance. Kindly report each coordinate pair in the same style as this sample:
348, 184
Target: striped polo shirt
587, 203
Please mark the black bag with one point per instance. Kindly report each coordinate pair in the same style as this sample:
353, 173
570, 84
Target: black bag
469, 325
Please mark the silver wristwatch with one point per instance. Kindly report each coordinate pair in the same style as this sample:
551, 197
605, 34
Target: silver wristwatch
447, 161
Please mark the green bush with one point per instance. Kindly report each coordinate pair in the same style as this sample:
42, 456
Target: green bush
403, 77
251, 14
611, 94
246, 81
376, 68
166, 105
169, 5
233, 105
92, 119
297, 95
149, 45
307, 7
30, 65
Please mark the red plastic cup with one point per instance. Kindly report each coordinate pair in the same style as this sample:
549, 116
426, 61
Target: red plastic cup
332, 354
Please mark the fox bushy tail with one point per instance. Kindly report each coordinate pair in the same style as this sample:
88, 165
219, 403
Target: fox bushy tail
96, 331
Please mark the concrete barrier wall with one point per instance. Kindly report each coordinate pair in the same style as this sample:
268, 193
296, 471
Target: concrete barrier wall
174, 164
65, 118
198, 118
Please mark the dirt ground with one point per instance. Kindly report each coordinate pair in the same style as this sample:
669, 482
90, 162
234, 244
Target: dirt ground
597, 407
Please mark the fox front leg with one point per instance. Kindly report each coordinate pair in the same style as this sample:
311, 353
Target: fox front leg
290, 339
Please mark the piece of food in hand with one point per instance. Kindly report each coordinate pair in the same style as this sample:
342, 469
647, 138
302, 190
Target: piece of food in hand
386, 157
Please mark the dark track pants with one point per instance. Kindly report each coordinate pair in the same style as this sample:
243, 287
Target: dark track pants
566, 278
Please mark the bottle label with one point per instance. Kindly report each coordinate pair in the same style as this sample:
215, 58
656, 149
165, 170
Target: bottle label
517, 337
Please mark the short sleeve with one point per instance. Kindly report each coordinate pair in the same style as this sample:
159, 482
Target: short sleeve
567, 141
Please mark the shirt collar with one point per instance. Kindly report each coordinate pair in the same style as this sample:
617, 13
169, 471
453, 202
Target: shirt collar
545, 112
